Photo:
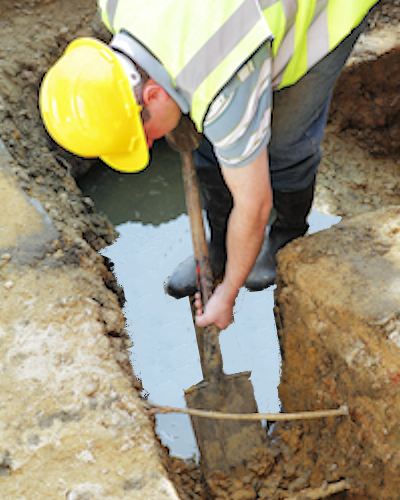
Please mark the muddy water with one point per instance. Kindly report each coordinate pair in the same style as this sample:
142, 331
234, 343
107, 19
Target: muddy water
148, 210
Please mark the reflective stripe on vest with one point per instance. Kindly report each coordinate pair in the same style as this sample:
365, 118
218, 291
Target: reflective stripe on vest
304, 37
202, 43
226, 39
111, 10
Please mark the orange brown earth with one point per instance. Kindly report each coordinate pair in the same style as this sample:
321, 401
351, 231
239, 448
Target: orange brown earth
358, 179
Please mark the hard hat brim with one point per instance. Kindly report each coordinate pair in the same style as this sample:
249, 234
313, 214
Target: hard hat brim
128, 162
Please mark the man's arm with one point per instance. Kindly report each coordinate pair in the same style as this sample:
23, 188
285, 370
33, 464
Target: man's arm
252, 195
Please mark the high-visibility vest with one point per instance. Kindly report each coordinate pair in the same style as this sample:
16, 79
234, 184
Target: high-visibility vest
202, 43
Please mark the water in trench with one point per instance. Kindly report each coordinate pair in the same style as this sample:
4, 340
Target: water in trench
148, 210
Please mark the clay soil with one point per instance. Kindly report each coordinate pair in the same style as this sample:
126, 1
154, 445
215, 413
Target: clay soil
359, 173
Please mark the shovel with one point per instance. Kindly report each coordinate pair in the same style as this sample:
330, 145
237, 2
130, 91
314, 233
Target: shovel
225, 446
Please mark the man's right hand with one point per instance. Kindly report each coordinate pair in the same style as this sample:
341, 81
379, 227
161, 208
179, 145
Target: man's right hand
218, 310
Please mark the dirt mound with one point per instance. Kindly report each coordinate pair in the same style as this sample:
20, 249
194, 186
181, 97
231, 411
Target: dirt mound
367, 104
338, 299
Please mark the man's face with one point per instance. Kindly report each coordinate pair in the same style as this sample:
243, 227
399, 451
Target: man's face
164, 112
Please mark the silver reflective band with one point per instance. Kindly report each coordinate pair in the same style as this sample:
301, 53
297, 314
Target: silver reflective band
264, 4
317, 39
218, 47
111, 11
289, 8
282, 58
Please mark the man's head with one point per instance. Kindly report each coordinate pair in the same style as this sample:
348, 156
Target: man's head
162, 114
96, 103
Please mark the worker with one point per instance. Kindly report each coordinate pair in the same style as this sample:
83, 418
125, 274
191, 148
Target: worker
254, 77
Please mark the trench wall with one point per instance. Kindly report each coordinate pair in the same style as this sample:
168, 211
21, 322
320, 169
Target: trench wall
338, 315
71, 421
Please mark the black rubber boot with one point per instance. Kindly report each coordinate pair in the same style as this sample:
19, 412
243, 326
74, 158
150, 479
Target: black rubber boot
292, 211
217, 202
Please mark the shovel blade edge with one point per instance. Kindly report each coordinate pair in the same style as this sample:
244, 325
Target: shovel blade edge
225, 445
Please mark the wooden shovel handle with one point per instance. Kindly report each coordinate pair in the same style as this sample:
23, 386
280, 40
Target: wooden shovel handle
211, 357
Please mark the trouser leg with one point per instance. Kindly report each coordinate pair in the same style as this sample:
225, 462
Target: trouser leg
216, 197
217, 202
299, 117
291, 222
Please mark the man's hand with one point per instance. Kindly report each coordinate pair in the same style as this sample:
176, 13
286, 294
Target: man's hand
252, 196
218, 310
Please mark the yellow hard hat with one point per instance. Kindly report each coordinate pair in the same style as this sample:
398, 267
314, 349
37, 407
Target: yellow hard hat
89, 108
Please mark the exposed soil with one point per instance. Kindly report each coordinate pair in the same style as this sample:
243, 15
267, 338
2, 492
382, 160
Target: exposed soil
32, 36
359, 173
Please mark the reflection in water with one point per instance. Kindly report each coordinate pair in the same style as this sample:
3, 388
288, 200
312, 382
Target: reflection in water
148, 210
152, 196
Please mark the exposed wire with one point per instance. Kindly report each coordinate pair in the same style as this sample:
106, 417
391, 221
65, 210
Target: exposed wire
272, 417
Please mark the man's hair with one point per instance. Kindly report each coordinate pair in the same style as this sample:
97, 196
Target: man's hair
138, 91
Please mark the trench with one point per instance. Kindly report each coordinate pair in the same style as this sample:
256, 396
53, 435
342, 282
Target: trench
148, 211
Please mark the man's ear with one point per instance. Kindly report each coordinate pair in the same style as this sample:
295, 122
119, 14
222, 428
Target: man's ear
152, 91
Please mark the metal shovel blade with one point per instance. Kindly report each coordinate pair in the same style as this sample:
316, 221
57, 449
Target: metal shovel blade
225, 445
